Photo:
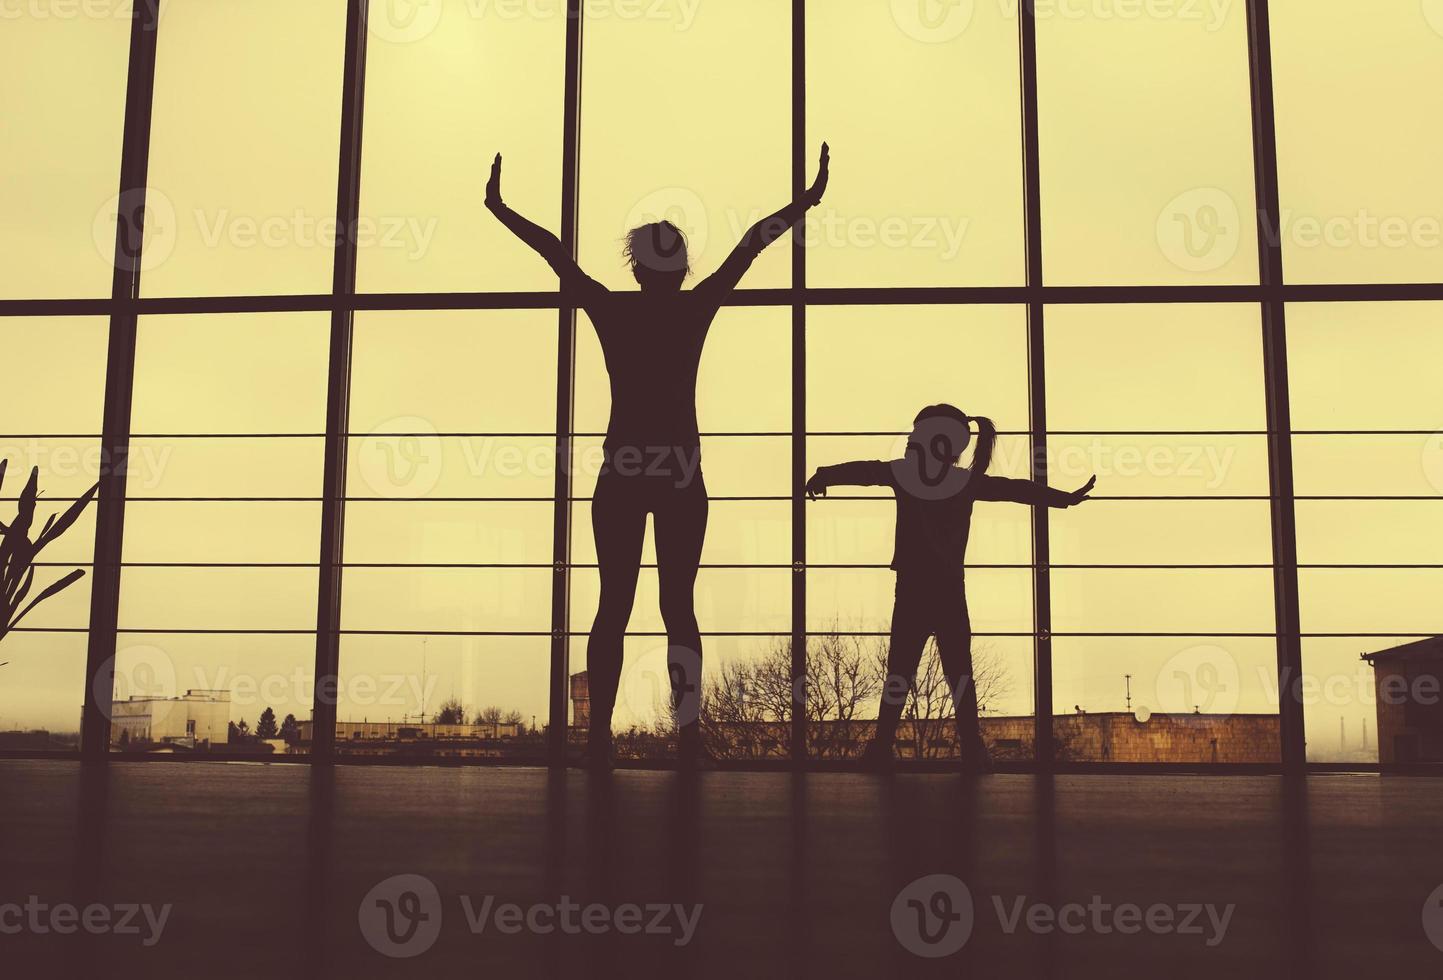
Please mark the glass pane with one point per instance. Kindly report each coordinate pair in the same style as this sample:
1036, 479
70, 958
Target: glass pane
744, 683
729, 600
921, 198
454, 404
1146, 140
1174, 385
222, 694
44, 685
871, 368
427, 149
62, 96
1179, 700
1355, 370
1367, 208
687, 118
57, 393
244, 147
442, 696
448, 599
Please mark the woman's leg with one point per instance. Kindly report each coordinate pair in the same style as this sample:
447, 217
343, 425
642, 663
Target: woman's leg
911, 625
680, 530
618, 521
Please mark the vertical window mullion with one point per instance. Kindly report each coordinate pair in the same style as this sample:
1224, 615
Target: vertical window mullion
1275, 377
119, 384
565, 403
1037, 391
338, 389
799, 390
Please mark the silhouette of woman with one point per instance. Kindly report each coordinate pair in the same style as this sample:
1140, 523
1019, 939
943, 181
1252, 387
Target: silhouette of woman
652, 342
934, 515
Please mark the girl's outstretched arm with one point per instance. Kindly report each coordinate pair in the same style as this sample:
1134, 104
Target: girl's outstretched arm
985, 487
863, 473
541, 241
766, 231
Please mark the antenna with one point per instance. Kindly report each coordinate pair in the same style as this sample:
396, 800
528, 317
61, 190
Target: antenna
423, 680
1128, 679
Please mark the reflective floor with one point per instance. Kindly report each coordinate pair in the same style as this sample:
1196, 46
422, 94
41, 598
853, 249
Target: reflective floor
249, 870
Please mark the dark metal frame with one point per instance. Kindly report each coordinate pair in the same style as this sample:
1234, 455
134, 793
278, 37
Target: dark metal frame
124, 306
338, 389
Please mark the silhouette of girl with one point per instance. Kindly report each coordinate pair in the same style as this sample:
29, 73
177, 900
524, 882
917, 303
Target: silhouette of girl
652, 342
934, 515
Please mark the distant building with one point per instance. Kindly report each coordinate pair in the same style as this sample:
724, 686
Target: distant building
1079, 737
487, 740
581, 699
197, 718
1406, 681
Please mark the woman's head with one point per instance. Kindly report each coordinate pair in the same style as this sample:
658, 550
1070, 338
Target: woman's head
940, 433
657, 253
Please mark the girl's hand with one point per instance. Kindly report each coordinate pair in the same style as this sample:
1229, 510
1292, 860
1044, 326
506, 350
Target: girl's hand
493, 186
819, 186
815, 487
1078, 496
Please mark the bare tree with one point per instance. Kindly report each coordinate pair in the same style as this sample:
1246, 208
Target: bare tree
931, 711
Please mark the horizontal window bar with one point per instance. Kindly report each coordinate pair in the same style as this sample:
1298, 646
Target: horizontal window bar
715, 499
859, 433
812, 296
761, 566
222, 631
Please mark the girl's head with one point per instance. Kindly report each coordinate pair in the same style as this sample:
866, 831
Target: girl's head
940, 433
657, 253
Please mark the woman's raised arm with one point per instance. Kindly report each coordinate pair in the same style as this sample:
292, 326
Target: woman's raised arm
766, 231
541, 241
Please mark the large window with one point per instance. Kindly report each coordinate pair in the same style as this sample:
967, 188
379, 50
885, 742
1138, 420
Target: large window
1058, 216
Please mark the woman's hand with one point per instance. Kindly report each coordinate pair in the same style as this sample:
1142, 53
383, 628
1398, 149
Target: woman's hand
814, 193
1079, 495
493, 186
815, 487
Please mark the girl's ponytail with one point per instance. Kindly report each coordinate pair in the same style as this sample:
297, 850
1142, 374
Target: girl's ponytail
986, 442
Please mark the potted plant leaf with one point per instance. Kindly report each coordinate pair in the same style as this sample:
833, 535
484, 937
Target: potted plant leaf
18, 551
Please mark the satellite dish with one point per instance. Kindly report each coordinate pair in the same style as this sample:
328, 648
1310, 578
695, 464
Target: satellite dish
1142, 714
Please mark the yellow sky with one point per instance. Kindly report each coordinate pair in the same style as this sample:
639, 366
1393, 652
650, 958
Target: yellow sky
1146, 179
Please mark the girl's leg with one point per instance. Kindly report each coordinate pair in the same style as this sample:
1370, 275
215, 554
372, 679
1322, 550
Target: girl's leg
911, 625
618, 521
680, 530
954, 646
